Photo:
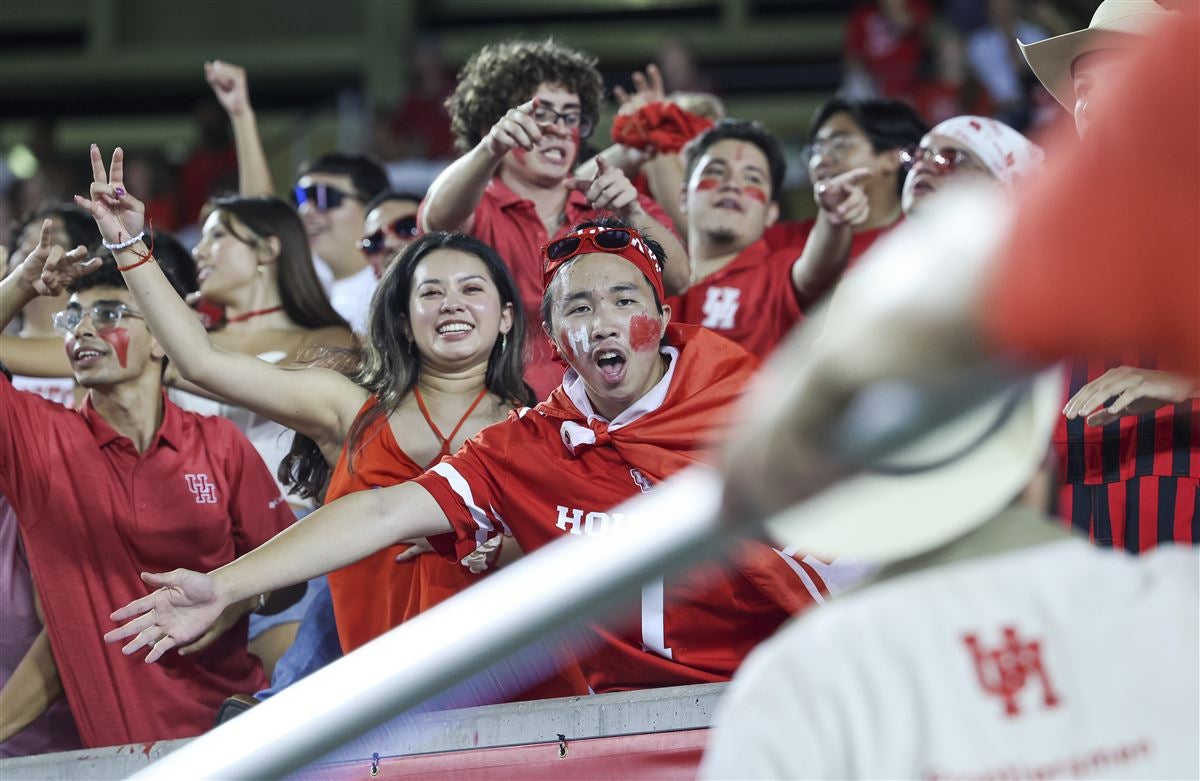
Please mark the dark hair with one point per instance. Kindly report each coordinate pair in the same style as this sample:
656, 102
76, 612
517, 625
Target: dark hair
389, 365
391, 195
252, 220
108, 276
80, 227
367, 175
501, 76
609, 222
889, 124
176, 262
746, 130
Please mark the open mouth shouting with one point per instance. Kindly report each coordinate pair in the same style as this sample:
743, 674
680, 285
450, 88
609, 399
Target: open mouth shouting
611, 362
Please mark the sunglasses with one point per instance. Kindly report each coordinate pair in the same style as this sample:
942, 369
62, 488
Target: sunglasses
945, 161
403, 228
602, 240
323, 197
105, 317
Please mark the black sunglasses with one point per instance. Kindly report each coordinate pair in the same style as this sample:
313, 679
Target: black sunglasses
402, 228
611, 239
322, 196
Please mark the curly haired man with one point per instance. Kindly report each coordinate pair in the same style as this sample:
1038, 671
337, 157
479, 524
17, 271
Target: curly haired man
520, 115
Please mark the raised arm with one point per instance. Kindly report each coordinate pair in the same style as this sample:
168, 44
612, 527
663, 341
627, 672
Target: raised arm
46, 271
611, 190
317, 402
33, 687
843, 205
340, 533
452, 198
228, 83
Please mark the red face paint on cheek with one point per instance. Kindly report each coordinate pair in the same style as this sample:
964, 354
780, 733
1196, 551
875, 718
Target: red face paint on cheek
707, 184
757, 193
644, 332
119, 339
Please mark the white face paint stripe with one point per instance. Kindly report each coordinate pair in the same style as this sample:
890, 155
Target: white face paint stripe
463, 489
578, 339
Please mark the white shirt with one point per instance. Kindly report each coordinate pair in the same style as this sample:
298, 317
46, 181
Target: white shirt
60, 390
883, 683
351, 298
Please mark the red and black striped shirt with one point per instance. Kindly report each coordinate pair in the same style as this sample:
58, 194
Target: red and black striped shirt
1133, 483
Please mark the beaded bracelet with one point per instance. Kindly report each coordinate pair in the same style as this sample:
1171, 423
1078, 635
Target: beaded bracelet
149, 256
124, 244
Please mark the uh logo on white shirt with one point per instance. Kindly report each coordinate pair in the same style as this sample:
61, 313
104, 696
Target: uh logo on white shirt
720, 307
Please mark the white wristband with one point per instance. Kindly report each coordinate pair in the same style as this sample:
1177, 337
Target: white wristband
124, 244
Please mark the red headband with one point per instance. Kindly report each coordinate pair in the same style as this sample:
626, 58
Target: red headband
625, 242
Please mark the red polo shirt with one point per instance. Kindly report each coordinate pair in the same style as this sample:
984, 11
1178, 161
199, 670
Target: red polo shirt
510, 224
751, 300
94, 514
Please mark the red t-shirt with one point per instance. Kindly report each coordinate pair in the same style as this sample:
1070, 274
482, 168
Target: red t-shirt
893, 58
521, 476
94, 514
510, 224
751, 300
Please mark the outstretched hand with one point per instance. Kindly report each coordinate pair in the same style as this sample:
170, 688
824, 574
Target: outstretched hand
648, 88
843, 199
118, 214
228, 83
610, 190
1134, 392
183, 608
48, 269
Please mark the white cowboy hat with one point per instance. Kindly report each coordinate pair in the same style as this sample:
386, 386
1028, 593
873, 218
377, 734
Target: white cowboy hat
937, 489
1113, 21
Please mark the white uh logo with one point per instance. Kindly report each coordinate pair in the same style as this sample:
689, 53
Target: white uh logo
720, 307
204, 489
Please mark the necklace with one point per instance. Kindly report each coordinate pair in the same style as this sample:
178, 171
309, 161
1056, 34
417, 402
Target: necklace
254, 314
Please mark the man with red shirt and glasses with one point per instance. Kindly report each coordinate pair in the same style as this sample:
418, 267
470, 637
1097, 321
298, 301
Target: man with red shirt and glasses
643, 399
857, 172
513, 187
117, 488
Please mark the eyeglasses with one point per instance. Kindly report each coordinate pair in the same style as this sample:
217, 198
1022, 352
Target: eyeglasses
828, 149
403, 228
105, 317
322, 196
945, 161
544, 115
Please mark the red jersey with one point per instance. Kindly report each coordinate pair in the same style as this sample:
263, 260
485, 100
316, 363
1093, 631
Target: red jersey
94, 514
751, 300
510, 224
794, 235
1134, 483
559, 469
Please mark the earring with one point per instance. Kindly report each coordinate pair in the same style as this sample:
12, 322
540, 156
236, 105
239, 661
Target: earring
503, 342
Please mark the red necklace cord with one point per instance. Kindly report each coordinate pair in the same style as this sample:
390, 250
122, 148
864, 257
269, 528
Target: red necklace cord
149, 256
254, 314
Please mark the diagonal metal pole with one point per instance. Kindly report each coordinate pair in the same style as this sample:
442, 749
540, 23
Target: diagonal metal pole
567, 580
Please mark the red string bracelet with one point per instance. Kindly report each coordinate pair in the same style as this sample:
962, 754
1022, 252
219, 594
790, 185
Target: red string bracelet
149, 256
